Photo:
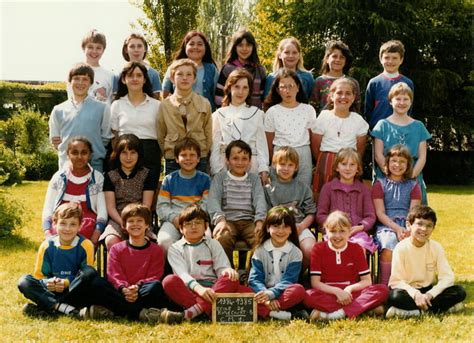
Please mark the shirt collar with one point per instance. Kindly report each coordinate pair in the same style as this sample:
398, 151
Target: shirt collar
337, 250
268, 246
237, 178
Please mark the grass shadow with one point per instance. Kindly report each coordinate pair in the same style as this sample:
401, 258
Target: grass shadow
451, 190
16, 242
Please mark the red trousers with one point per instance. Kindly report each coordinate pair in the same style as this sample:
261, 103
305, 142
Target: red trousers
291, 296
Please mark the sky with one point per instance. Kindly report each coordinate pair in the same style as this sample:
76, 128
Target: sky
41, 40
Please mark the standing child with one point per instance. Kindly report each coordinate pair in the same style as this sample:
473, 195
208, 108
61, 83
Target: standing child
289, 120
336, 63
348, 194
283, 189
340, 277
289, 56
276, 264
393, 196
417, 262
184, 114
128, 182
336, 128
237, 119
79, 183
400, 128
243, 54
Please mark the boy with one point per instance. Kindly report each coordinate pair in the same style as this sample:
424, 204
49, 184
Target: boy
179, 189
377, 105
81, 115
415, 263
184, 114
236, 200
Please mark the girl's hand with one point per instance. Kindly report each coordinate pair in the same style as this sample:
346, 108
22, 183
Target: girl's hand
399, 232
265, 178
273, 305
232, 274
56, 141
261, 297
206, 293
355, 229
299, 228
344, 298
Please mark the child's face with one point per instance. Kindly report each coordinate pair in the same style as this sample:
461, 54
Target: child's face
134, 80
80, 85
420, 231
239, 161
128, 159
391, 61
290, 56
67, 229
288, 89
338, 236
347, 170
397, 166
93, 52
184, 78
279, 234
336, 61
239, 91
193, 230
188, 159
136, 226
136, 50
285, 170
244, 50
343, 97
401, 103
79, 155
195, 49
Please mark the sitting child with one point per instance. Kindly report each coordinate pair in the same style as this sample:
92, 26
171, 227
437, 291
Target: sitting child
416, 262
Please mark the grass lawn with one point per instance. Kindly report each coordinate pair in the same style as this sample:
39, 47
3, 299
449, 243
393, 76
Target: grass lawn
455, 230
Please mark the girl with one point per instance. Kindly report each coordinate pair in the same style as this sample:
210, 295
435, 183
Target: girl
393, 196
134, 49
400, 128
276, 265
128, 182
348, 194
336, 128
340, 277
195, 46
135, 111
290, 120
237, 119
243, 54
288, 55
79, 183
336, 63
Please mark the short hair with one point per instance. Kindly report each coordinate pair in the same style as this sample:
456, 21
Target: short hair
338, 219
82, 139
193, 211
136, 210
128, 68
243, 146
336, 45
392, 46
183, 62
234, 76
333, 87
187, 143
181, 52
421, 212
94, 36
68, 210
127, 141
347, 153
278, 63
400, 88
236, 39
274, 96
284, 154
81, 69
133, 35
400, 150
276, 216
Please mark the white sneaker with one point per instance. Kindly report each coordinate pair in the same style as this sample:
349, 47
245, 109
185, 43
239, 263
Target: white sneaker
398, 312
456, 308
280, 315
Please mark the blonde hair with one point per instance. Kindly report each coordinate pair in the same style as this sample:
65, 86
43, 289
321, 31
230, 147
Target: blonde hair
183, 62
284, 154
400, 88
332, 89
393, 46
278, 63
339, 220
347, 154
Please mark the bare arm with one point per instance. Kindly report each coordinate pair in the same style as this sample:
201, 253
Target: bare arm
270, 138
147, 198
385, 220
364, 282
378, 152
420, 163
316, 140
361, 142
111, 207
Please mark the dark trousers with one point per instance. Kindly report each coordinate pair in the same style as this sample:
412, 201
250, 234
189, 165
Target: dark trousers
151, 294
441, 303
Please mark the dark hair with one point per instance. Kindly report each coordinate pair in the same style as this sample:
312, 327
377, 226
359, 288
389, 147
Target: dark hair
234, 76
274, 97
421, 212
336, 45
134, 35
400, 150
82, 139
276, 216
192, 212
81, 69
68, 210
187, 143
238, 144
181, 52
128, 68
127, 141
94, 36
237, 38
136, 210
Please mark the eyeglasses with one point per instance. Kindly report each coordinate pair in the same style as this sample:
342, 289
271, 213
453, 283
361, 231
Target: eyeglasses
192, 223
286, 87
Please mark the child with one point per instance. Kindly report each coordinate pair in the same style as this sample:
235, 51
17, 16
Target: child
393, 196
184, 114
285, 190
243, 54
400, 128
289, 120
128, 182
417, 261
179, 189
288, 55
348, 194
81, 115
236, 200
135, 111
237, 119
135, 267
377, 106
79, 183
336, 63
276, 264
336, 128
340, 278
195, 46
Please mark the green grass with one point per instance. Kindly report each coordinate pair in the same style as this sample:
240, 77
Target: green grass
455, 230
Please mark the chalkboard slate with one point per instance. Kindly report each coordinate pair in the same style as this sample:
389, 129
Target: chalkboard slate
234, 308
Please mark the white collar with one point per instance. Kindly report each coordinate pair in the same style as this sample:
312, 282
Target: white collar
337, 250
237, 178
268, 246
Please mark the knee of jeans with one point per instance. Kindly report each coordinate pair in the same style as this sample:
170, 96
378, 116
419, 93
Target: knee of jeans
461, 292
24, 282
394, 295
88, 273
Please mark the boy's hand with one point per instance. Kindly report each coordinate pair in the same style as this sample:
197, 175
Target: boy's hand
56, 141
206, 293
343, 297
220, 228
51, 284
231, 274
261, 297
265, 178
60, 285
130, 293
423, 301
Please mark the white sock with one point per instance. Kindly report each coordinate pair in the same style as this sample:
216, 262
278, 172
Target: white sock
339, 314
281, 315
65, 308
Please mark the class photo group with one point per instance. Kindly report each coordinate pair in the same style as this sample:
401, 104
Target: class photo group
166, 174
